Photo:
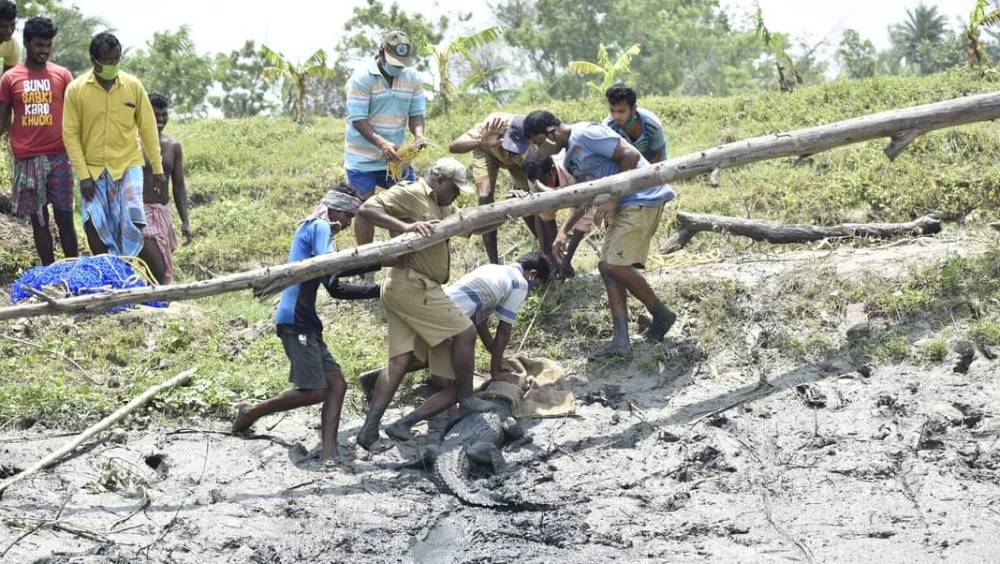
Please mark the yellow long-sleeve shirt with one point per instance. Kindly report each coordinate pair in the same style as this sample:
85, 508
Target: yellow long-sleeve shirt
99, 127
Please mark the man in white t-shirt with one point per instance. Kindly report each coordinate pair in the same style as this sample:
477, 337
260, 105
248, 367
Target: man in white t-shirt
489, 290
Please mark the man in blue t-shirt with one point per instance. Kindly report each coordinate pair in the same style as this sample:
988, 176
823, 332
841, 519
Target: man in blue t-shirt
638, 126
315, 374
595, 151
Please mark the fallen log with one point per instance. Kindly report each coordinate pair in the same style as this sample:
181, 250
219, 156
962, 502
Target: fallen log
690, 224
901, 126
103, 424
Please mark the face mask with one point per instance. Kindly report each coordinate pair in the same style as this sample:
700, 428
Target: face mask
548, 147
391, 70
632, 119
108, 72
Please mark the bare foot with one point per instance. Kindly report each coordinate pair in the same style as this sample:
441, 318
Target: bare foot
243, 421
367, 436
659, 327
612, 349
399, 431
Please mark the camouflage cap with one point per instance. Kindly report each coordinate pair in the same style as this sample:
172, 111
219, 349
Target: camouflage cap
398, 49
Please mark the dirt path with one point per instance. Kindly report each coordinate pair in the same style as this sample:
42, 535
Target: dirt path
829, 461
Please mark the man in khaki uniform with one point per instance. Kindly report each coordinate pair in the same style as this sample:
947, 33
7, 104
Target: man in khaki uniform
421, 317
498, 142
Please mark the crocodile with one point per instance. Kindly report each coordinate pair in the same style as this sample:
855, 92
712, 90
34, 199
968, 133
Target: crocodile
473, 438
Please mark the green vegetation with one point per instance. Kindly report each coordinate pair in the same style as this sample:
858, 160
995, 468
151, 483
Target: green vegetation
934, 350
611, 73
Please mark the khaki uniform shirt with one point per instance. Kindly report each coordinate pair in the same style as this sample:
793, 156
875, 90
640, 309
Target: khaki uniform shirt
415, 201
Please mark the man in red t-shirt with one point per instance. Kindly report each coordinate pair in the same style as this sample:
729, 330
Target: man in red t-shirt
42, 172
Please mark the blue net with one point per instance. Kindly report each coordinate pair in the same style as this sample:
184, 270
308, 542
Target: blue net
79, 276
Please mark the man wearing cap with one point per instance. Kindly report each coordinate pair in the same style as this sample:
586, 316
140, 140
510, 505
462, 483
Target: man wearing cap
385, 95
419, 313
315, 374
595, 151
498, 142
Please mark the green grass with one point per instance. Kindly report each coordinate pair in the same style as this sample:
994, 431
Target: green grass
986, 332
934, 350
251, 180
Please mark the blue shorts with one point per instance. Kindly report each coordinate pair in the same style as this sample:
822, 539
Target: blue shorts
364, 181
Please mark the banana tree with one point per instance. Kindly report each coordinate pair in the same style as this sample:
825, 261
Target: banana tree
462, 47
295, 76
788, 75
612, 72
979, 19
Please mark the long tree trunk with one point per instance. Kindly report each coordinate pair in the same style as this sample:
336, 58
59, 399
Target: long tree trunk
901, 126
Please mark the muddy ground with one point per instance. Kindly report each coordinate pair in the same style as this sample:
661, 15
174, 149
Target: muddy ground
694, 459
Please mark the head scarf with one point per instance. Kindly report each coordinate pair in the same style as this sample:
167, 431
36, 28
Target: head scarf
337, 201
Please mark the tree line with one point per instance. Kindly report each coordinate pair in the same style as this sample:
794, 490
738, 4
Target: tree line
537, 50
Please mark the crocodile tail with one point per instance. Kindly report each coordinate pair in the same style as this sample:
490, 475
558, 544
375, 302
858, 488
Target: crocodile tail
450, 473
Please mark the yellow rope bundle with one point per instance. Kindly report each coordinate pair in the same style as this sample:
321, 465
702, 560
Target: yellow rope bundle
406, 155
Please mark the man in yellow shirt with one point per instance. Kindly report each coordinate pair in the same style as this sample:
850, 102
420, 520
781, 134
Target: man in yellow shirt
10, 49
105, 111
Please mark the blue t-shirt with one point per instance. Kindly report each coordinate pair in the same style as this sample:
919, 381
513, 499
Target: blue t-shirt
297, 307
589, 156
651, 138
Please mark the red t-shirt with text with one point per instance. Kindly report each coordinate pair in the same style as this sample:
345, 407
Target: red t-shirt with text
36, 97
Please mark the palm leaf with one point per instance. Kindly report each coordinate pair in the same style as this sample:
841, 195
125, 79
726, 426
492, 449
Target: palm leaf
481, 76
978, 13
463, 45
624, 62
274, 73
317, 59
586, 67
991, 18
276, 59
602, 57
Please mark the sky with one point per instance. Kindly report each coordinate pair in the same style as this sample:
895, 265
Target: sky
298, 27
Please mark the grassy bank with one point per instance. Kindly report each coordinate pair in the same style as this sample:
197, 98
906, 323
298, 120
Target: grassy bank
251, 180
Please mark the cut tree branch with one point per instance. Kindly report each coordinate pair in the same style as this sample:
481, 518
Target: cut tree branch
690, 224
101, 425
900, 125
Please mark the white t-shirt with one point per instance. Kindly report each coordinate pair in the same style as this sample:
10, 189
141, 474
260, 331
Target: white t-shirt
490, 288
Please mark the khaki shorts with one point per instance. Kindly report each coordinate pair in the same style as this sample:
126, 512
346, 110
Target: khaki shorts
627, 241
421, 319
485, 167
